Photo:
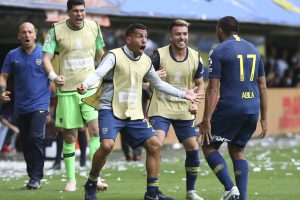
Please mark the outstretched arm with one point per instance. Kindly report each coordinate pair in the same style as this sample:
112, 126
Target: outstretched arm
156, 82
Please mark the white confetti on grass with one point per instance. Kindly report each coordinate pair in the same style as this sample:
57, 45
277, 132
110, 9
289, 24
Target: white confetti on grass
169, 171
256, 169
15, 168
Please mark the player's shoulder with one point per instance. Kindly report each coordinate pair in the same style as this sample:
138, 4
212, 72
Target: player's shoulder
164, 48
15, 51
62, 22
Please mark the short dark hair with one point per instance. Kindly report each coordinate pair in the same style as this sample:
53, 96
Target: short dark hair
134, 26
178, 22
229, 25
72, 3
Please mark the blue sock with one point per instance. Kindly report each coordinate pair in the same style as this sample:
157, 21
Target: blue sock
241, 177
192, 164
219, 166
152, 184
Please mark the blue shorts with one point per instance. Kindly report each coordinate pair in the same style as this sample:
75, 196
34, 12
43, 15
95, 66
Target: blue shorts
183, 128
136, 132
235, 130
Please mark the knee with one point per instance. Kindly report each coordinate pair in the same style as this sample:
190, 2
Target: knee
154, 147
94, 131
191, 145
208, 149
236, 153
106, 147
69, 138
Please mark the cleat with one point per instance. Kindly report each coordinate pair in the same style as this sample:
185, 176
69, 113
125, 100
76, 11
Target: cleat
90, 190
156, 195
192, 195
232, 194
101, 185
71, 186
33, 184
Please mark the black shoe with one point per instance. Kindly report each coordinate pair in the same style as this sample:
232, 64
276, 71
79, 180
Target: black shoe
56, 166
33, 184
82, 161
90, 192
156, 195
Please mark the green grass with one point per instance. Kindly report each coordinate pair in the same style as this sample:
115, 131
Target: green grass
278, 179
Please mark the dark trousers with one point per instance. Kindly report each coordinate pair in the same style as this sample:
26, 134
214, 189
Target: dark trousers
32, 132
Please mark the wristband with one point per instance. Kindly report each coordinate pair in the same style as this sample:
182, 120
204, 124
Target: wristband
52, 75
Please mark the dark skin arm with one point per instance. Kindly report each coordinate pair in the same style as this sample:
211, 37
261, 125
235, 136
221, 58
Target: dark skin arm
211, 97
263, 105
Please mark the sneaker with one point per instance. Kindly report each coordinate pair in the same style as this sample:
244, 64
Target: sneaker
33, 184
90, 190
232, 194
71, 186
156, 195
192, 195
6, 148
101, 185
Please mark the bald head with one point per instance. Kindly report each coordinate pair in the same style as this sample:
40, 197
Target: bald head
27, 36
25, 25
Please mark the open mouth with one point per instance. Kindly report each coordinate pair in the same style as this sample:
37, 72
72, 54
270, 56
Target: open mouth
142, 48
27, 41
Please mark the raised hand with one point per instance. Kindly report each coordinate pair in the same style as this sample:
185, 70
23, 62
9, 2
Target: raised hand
5, 96
193, 96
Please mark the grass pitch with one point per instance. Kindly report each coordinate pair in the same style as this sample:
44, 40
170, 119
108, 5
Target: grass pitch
274, 174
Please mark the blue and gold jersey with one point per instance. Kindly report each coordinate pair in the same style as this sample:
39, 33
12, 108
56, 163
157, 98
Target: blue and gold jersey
238, 64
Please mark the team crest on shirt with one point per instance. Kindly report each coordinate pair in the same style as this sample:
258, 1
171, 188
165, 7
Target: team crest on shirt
38, 61
104, 130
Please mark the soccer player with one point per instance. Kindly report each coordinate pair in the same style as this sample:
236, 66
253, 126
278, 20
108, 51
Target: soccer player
236, 73
122, 72
180, 66
31, 100
79, 43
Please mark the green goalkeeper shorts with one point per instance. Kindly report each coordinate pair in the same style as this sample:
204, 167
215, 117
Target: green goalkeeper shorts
72, 113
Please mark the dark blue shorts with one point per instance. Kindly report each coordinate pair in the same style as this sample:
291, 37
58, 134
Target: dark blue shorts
235, 130
183, 128
136, 132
